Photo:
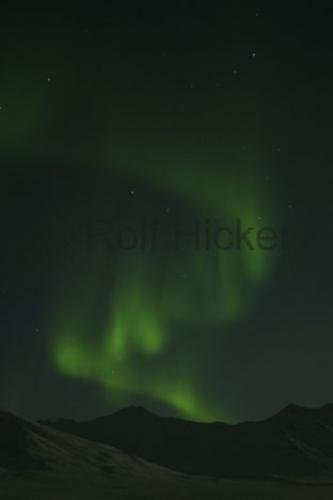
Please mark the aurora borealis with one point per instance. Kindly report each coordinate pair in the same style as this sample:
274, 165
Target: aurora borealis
142, 118
133, 354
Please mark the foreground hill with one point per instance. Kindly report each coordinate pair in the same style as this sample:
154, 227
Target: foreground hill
297, 442
38, 463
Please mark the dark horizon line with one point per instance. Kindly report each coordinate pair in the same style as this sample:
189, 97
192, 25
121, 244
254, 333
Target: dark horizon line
288, 410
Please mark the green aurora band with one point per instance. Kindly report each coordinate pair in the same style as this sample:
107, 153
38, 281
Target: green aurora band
134, 355
130, 351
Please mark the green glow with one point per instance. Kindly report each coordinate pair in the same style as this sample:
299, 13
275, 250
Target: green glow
25, 105
134, 323
122, 363
134, 354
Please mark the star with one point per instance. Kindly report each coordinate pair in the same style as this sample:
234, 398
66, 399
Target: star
254, 55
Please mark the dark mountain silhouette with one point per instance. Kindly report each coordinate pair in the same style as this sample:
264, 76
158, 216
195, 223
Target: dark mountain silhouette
38, 462
295, 443
27, 447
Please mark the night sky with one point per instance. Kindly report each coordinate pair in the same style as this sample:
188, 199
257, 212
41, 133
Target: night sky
122, 126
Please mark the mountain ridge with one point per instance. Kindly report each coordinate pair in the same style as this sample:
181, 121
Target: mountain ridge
38, 461
288, 410
296, 442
